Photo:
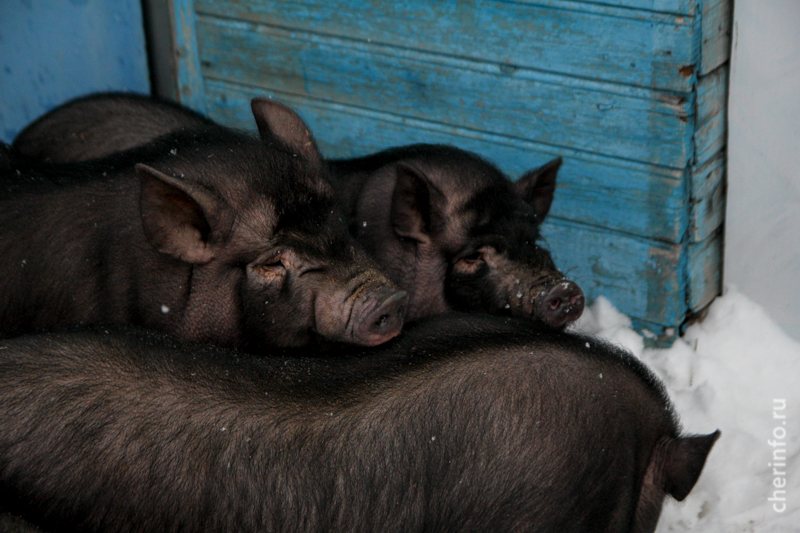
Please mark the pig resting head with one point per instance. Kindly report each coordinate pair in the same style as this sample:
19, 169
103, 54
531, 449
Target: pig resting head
505, 268
310, 285
270, 260
463, 237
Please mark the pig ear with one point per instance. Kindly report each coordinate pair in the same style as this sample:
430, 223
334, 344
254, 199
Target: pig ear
416, 204
277, 120
537, 187
174, 216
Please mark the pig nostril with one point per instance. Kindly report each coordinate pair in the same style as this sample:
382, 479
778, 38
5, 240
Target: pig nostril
561, 304
385, 319
382, 320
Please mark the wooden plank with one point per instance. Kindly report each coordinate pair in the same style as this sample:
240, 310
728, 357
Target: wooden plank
51, 52
640, 277
673, 7
629, 123
717, 25
584, 40
187, 62
707, 198
592, 189
704, 271
712, 128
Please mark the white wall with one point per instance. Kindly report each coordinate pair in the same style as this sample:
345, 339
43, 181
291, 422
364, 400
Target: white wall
762, 237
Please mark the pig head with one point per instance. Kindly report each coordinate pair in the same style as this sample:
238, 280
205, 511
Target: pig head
454, 232
210, 235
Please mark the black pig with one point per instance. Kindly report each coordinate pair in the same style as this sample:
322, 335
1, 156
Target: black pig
453, 231
94, 126
461, 424
447, 226
211, 235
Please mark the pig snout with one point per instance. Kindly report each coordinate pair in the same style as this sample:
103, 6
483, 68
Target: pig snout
377, 319
370, 315
562, 304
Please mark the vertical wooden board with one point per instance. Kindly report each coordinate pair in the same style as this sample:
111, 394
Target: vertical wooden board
591, 189
704, 271
584, 40
710, 138
708, 213
51, 52
187, 55
707, 198
640, 277
717, 24
711, 130
633, 124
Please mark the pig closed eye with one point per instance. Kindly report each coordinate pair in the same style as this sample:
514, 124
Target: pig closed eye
271, 274
472, 259
469, 264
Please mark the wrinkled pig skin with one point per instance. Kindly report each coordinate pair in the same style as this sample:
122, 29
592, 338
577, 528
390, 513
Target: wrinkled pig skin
207, 234
462, 423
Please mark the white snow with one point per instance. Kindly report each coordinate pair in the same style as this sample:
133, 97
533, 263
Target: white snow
736, 371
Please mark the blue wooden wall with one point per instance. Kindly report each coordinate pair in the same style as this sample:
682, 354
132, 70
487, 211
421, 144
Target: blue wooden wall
51, 51
632, 93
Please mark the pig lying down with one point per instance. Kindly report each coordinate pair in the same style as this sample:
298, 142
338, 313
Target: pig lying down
211, 235
453, 231
473, 423
448, 227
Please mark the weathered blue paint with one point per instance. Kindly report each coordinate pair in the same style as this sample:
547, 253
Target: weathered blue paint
593, 188
710, 132
53, 51
187, 57
644, 49
716, 25
705, 274
591, 116
603, 263
708, 198
631, 93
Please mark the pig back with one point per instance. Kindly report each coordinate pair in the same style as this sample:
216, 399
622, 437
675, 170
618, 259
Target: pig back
460, 424
99, 125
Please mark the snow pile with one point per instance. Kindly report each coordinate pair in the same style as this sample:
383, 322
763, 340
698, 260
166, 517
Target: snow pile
739, 372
